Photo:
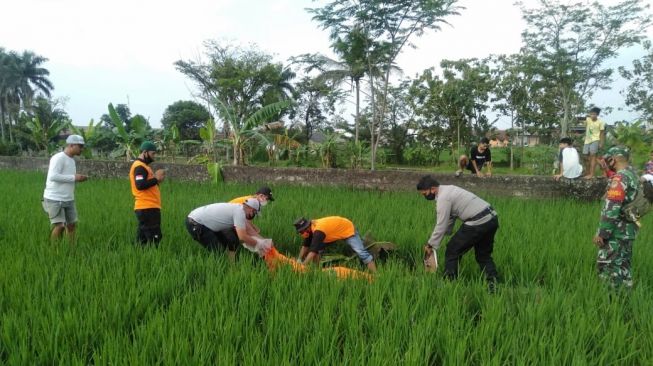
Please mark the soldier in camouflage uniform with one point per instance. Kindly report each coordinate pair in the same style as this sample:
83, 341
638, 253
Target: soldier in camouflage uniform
615, 234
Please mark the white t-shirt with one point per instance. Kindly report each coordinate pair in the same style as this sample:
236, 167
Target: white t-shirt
220, 216
60, 183
571, 167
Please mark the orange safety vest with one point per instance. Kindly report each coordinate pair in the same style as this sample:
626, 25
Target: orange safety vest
334, 228
147, 198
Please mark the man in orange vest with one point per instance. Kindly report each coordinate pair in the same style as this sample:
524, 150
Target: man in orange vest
145, 188
320, 232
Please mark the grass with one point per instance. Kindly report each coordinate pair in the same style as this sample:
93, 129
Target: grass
105, 301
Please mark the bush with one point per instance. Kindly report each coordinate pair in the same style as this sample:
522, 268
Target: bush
9, 149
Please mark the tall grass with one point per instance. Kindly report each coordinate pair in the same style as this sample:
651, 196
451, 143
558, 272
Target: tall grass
106, 301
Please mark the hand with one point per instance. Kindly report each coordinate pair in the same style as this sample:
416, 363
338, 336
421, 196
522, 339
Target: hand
263, 246
557, 176
489, 174
80, 177
479, 174
160, 175
430, 259
598, 241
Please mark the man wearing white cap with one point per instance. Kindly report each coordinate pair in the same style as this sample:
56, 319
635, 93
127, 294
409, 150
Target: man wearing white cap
59, 194
224, 225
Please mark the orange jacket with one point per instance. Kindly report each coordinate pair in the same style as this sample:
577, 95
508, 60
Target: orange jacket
334, 228
147, 198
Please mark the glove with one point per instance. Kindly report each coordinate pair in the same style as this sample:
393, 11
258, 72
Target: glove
251, 249
263, 246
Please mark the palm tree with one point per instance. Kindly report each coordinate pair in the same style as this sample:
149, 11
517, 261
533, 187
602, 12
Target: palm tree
21, 76
357, 55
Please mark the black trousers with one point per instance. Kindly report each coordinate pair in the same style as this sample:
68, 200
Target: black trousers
149, 226
210, 239
481, 238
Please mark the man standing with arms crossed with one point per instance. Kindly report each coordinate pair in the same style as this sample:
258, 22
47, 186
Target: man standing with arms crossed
145, 188
59, 193
594, 139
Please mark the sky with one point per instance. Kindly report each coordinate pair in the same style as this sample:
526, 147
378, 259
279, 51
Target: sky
122, 51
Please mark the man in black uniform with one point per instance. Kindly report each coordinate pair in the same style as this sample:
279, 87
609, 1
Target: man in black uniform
479, 156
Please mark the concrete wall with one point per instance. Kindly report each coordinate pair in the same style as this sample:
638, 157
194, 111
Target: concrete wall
504, 185
513, 185
107, 169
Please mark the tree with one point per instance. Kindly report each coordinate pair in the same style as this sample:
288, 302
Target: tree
639, 94
21, 77
241, 132
316, 100
456, 103
123, 112
127, 140
518, 94
239, 82
187, 116
40, 127
390, 25
571, 44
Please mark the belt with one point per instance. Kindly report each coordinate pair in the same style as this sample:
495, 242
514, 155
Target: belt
487, 211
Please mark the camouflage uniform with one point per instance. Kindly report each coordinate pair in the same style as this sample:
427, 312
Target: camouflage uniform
614, 258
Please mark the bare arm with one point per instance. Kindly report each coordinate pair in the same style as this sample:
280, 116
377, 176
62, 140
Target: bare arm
249, 240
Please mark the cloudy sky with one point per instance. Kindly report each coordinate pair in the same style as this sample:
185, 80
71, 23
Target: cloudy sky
122, 51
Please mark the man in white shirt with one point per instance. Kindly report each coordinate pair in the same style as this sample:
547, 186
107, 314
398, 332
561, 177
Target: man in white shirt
224, 225
570, 166
59, 193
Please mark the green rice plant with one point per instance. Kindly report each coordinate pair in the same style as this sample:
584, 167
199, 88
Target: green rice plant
106, 301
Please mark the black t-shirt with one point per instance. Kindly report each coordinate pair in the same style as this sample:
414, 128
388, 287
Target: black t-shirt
479, 157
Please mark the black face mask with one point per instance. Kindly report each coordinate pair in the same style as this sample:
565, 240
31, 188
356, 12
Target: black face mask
147, 158
430, 196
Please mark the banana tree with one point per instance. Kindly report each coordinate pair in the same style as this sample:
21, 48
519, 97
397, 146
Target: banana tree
127, 140
42, 135
171, 138
242, 132
89, 134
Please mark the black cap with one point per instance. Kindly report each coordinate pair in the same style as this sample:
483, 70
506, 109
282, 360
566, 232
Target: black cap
266, 191
302, 224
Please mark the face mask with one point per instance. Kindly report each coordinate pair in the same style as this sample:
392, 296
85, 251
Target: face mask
430, 196
264, 203
147, 158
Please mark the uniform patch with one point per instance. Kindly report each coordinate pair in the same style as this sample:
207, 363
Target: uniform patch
616, 193
139, 177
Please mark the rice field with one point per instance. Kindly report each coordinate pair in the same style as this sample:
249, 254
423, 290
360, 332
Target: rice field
106, 301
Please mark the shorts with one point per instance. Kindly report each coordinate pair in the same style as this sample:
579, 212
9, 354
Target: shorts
60, 212
592, 148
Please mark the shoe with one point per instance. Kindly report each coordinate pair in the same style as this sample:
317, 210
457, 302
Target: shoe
459, 173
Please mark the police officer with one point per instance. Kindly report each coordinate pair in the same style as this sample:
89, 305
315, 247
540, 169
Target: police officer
480, 224
616, 233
